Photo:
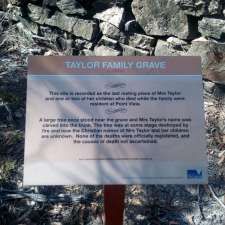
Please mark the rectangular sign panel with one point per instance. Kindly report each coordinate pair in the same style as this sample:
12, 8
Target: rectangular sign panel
114, 120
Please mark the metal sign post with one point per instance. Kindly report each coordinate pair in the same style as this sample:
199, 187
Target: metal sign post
114, 204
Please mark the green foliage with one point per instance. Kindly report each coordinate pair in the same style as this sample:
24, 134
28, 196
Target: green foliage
16, 137
9, 97
6, 169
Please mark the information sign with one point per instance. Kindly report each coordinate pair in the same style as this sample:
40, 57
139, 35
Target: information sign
114, 120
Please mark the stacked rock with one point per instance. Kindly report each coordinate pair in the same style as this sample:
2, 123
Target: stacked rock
129, 28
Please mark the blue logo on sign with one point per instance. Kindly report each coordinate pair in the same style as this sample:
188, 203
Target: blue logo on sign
191, 174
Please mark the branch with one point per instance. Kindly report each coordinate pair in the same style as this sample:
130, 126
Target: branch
216, 198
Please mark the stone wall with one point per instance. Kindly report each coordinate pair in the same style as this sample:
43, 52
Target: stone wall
128, 27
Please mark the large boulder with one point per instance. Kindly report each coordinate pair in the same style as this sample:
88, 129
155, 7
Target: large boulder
200, 7
166, 48
161, 17
211, 52
61, 21
210, 27
87, 29
213, 58
38, 14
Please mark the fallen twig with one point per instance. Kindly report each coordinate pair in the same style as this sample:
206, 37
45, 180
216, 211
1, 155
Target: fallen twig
216, 198
37, 197
200, 203
24, 216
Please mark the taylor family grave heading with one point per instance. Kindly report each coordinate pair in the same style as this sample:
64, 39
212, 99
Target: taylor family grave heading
114, 120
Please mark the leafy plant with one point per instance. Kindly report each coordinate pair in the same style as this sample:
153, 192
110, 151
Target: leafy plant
6, 169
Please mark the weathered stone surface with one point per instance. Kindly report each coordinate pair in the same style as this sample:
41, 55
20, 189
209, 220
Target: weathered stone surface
71, 7
110, 30
27, 28
215, 70
169, 18
23, 31
48, 2
50, 33
141, 41
203, 47
15, 13
106, 51
210, 27
161, 17
176, 43
51, 53
86, 52
2, 18
131, 26
209, 86
86, 29
200, 39
108, 42
131, 51
172, 47
200, 7
113, 16
213, 58
221, 122
14, 2
38, 14
100, 5
164, 48
215, 7
56, 223
61, 21
81, 44
31, 26
43, 3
